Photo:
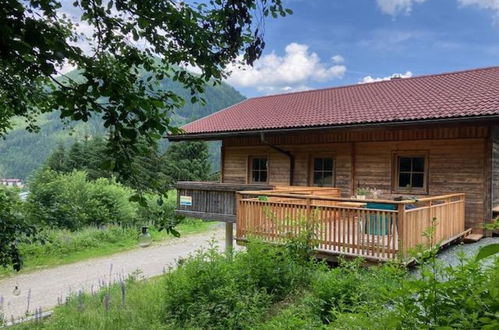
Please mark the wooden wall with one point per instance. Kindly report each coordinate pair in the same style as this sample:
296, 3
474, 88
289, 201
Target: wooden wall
495, 166
457, 161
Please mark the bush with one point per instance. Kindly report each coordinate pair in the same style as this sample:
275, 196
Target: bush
212, 290
352, 288
465, 296
13, 228
71, 201
294, 316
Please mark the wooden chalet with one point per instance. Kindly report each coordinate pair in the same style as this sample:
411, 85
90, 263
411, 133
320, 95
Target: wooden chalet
368, 166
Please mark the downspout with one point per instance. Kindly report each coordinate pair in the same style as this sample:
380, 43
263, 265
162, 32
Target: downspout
285, 152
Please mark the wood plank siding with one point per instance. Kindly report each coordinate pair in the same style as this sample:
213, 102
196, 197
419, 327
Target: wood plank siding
210, 200
495, 166
460, 159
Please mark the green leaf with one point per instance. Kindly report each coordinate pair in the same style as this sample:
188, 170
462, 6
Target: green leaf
174, 232
487, 251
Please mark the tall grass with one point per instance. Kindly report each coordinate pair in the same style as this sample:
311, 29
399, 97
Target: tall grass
136, 307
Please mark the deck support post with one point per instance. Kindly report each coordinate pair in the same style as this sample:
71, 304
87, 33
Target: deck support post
401, 230
229, 237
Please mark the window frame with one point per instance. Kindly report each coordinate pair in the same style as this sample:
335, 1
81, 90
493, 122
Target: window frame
396, 172
250, 169
311, 170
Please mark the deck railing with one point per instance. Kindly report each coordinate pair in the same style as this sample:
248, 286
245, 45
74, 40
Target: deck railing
343, 226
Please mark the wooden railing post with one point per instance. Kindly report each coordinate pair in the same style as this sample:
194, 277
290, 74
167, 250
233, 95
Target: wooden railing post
239, 222
401, 230
308, 203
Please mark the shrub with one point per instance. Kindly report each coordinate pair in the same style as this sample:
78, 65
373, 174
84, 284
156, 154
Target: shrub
297, 315
351, 289
71, 201
13, 228
213, 290
111, 203
465, 296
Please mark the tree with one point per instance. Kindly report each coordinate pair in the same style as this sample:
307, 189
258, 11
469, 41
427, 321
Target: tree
127, 38
58, 160
188, 161
92, 154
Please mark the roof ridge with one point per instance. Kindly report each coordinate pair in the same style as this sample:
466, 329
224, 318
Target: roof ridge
374, 82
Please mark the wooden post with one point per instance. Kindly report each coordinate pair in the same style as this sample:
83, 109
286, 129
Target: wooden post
401, 229
229, 226
308, 204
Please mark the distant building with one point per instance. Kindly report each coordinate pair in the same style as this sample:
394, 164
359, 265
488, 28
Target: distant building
12, 182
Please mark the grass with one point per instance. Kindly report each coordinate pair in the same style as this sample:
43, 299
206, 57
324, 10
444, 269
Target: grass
137, 306
63, 246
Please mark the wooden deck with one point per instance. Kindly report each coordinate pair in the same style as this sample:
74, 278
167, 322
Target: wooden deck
344, 226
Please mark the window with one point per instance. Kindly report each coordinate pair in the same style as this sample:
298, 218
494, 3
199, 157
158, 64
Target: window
258, 169
411, 173
323, 171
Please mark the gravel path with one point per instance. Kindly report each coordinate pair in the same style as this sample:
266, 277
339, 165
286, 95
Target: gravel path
450, 255
46, 287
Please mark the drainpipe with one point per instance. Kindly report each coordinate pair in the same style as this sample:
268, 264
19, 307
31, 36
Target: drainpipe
285, 152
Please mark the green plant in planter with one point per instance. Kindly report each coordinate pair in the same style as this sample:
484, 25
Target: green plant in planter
361, 193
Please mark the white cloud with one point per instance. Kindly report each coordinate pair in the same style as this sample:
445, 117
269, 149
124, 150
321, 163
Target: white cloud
395, 7
369, 79
279, 90
293, 71
393, 40
483, 4
338, 59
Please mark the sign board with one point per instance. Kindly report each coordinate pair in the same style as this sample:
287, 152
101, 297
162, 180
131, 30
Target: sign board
186, 200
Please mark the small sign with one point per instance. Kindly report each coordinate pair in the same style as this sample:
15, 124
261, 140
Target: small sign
186, 200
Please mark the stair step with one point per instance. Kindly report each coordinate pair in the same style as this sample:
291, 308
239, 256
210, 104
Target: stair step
472, 238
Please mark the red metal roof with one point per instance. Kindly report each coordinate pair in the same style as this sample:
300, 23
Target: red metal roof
448, 95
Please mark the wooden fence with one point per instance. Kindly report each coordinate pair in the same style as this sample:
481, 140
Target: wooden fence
343, 226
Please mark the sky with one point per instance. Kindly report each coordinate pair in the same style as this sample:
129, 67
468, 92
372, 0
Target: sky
327, 43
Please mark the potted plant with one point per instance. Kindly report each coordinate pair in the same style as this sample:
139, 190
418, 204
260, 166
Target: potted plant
361, 193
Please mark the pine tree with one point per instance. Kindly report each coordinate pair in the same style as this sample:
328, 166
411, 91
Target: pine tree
188, 161
58, 160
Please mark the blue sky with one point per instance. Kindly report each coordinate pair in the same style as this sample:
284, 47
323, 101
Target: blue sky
338, 42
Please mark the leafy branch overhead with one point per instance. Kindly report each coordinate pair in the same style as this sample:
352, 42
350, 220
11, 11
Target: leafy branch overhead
112, 44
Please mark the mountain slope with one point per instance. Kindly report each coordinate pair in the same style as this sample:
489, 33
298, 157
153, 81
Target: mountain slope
22, 152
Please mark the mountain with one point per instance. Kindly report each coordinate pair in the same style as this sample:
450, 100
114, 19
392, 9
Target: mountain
22, 152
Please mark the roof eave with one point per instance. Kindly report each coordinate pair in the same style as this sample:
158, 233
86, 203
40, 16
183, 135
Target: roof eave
212, 136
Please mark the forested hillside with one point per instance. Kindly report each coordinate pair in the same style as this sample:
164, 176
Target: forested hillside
23, 152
